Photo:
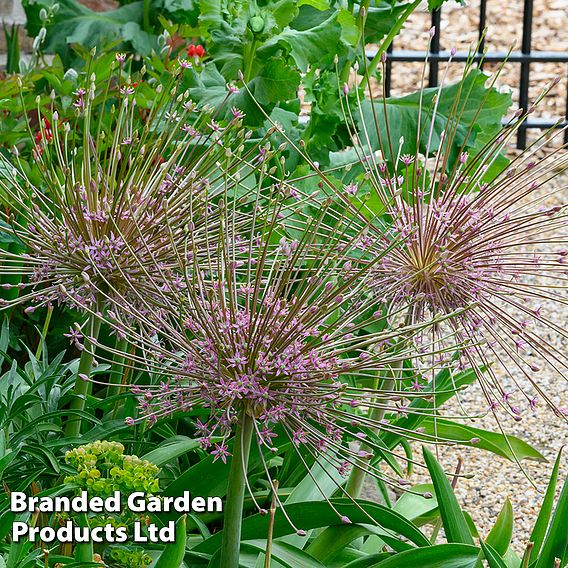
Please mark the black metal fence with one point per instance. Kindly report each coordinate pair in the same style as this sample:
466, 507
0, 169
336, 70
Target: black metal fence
524, 58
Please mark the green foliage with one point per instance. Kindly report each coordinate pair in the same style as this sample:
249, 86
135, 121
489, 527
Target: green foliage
277, 46
68, 22
453, 519
103, 468
130, 558
173, 553
457, 107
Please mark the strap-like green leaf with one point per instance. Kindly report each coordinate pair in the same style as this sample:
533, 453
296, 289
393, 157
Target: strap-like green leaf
173, 553
539, 530
439, 556
500, 535
316, 514
453, 520
492, 556
556, 542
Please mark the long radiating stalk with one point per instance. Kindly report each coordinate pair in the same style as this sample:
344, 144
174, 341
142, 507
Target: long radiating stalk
394, 31
230, 546
81, 388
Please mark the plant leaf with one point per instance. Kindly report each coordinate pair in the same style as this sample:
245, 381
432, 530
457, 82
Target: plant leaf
286, 554
555, 544
539, 530
171, 449
500, 535
400, 115
173, 553
492, 556
491, 441
306, 46
316, 514
438, 556
453, 520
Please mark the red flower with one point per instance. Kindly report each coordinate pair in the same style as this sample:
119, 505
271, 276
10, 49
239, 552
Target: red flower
196, 51
48, 133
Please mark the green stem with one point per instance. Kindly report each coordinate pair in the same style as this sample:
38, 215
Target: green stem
356, 479
117, 368
84, 550
146, 16
231, 542
250, 60
358, 474
81, 388
269, 538
44, 331
387, 41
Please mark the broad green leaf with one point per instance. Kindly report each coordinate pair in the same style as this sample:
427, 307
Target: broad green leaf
398, 117
500, 535
381, 18
539, 530
491, 441
555, 544
284, 553
316, 514
439, 556
307, 46
75, 23
171, 449
275, 82
453, 520
492, 556
173, 553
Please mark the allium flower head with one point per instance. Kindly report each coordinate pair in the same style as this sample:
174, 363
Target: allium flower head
463, 229
269, 328
118, 193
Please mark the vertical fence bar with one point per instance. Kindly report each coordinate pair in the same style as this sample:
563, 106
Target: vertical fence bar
525, 69
435, 48
388, 72
566, 131
481, 29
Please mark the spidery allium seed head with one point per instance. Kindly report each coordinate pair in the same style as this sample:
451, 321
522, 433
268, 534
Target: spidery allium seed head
466, 231
271, 327
119, 194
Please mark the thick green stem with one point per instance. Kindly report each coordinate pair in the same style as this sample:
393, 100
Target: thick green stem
117, 369
81, 388
358, 474
231, 543
146, 7
250, 60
